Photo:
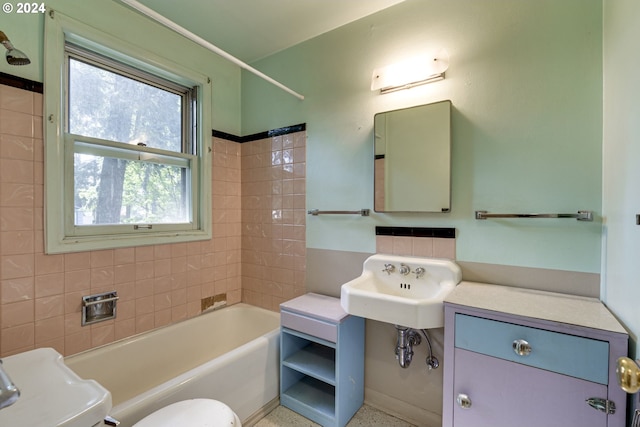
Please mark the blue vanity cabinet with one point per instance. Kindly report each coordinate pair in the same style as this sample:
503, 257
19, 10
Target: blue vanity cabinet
321, 359
530, 358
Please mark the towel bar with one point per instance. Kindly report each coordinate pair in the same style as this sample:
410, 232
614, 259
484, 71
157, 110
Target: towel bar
361, 212
580, 216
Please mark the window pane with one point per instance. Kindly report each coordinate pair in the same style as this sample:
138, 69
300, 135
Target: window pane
110, 190
107, 105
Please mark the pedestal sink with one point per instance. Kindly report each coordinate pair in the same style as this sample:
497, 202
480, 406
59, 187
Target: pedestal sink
402, 290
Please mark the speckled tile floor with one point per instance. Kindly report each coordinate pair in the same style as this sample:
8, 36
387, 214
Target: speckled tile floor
367, 416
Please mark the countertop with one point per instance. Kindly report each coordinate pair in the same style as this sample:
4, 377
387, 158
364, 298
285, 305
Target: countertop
320, 306
556, 307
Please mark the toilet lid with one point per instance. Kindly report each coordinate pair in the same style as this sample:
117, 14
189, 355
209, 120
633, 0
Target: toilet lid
192, 413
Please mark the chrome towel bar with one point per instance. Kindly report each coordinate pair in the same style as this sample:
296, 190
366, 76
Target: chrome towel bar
580, 216
361, 212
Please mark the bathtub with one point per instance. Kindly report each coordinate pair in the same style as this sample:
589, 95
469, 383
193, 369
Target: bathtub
231, 355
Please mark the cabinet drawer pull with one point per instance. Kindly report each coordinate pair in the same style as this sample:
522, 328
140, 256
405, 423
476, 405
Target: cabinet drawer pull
463, 401
521, 348
603, 405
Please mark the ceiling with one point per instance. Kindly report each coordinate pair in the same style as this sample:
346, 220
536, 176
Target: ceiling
253, 29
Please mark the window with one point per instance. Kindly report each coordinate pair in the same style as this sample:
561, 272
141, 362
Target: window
133, 152
127, 159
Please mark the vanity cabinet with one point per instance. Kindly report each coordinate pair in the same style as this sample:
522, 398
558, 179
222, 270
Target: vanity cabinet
321, 359
530, 358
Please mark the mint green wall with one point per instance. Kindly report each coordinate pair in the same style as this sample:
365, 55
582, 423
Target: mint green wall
525, 82
621, 173
26, 33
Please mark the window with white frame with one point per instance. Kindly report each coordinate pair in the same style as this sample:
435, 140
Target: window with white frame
127, 157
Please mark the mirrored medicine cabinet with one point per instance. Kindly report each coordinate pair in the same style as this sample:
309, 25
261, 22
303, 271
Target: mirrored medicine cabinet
412, 170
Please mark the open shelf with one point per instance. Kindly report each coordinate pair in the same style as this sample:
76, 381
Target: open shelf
314, 394
316, 361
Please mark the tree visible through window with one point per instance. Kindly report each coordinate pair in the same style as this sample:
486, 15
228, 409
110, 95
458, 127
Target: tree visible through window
131, 143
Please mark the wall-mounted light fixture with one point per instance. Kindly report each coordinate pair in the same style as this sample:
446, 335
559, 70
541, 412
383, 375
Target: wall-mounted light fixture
414, 72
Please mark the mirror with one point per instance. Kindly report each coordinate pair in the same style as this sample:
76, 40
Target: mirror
413, 159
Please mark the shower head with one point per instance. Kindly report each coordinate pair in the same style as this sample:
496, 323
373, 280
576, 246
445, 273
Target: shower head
14, 56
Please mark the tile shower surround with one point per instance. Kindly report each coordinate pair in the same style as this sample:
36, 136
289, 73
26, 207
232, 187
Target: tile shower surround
273, 219
257, 254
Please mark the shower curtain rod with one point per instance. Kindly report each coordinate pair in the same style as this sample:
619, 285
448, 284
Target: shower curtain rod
202, 42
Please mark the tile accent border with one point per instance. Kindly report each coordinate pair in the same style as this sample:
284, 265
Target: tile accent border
261, 135
442, 233
20, 83
225, 136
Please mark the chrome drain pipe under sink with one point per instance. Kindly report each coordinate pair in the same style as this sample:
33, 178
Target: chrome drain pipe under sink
406, 339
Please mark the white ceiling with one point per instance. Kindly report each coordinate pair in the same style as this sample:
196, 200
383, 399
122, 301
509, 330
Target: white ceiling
254, 29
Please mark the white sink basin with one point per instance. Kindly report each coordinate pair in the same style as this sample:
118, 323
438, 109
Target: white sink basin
384, 292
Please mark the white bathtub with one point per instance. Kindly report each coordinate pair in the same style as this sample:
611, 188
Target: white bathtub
231, 355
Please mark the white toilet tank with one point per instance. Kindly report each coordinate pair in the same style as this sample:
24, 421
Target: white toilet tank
194, 412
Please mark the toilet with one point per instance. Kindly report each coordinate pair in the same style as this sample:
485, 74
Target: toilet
192, 413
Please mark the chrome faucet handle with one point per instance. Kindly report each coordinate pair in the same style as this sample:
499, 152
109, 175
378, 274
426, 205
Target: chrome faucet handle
419, 272
405, 269
389, 268
9, 393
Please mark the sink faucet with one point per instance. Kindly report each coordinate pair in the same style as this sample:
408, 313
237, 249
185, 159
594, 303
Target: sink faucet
419, 272
389, 268
9, 393
404, 269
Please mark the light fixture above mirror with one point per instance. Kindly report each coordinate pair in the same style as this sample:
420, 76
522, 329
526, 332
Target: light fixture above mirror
410, 73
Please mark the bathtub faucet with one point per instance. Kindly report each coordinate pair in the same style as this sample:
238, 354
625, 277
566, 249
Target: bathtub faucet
9, 393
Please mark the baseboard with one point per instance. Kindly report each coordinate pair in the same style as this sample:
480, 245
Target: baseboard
403, 410
261, 413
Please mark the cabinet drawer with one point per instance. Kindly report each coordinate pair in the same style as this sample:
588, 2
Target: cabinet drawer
578, 357
310, 326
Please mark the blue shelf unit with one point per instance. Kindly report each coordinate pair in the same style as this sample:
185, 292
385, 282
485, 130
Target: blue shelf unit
321, 360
